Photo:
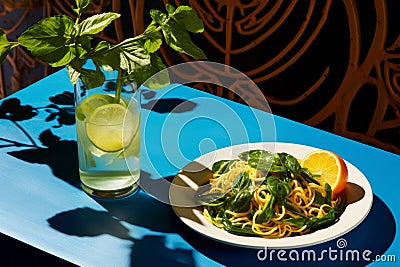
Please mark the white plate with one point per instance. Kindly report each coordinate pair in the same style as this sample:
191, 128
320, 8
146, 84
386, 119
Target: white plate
358, 192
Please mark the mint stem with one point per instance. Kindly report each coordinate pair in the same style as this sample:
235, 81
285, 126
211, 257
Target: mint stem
25, 133
118, 88
14, 143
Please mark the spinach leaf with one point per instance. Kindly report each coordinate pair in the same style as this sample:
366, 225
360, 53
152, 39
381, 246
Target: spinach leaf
237, 228
241, 182
240, 202
219, 166
268, 211
314, 223
328, 191
222, 166
279, 188
292, 209
221, 212
320, 199
276, 168
308, 176
327, 220
299, 222
211, 199
258, 159
330, 218
256, 154
290, 162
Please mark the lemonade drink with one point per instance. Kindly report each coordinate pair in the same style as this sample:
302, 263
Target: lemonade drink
108, 136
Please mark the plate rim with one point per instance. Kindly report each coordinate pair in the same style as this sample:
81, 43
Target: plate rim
294, 242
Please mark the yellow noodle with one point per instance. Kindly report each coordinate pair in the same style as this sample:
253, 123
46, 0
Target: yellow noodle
302, 199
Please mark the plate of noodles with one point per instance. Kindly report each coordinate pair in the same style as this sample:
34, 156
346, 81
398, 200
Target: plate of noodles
260, 195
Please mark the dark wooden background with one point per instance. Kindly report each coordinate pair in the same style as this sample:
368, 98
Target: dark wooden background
332, 64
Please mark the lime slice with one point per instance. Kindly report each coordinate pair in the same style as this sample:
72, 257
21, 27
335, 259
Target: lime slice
105, 127
89, 104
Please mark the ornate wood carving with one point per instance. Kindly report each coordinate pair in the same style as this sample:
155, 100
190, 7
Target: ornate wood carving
330, 64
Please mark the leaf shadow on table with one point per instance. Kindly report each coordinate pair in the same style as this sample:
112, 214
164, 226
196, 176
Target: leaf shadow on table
12, 111
376, 233
61, 109
170, 105
150, 249
59, 155
153, 222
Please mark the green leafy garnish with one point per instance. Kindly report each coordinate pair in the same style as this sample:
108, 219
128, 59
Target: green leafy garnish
258, 159
268, 211
64, 42
279, 188
5, 45
222, 166
289, 162
276, 174
240, 202
327, 199
241, 182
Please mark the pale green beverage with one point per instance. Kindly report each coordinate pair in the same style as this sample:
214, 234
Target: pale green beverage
108, 137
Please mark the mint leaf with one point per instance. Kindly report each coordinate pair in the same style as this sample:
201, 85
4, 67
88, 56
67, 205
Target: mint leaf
188, 18
132, 55
158, 16
97, 23
62, 41
81, 6
51, 40
170, 9
153, 38
75, 69
92, 78
159, 74
82, 45
106, 57
102, 48
5, 46
153, 41
153, 76
178, 39
73, 74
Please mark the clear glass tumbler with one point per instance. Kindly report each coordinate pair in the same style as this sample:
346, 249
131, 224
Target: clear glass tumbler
108, 138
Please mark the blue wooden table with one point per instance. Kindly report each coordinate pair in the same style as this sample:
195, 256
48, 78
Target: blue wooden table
42, 204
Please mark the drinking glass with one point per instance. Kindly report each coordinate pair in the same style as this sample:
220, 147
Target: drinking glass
108, 138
